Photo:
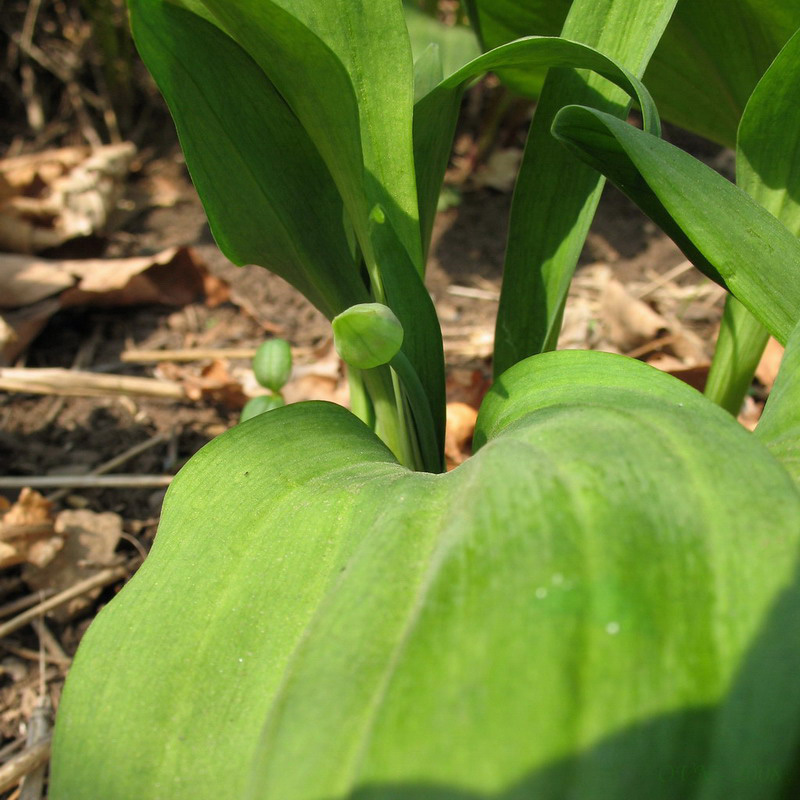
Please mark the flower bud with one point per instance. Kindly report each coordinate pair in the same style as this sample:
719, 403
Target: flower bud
272, 364
367, 335
261, 404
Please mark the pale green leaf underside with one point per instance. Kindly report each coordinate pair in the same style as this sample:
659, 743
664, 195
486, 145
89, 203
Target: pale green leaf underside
559, 617
456, 43
767, 167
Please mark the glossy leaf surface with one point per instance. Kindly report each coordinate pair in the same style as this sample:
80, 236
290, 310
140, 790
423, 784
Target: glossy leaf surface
345, 69
556, 196
712, 54
436, 113
269, 197
721, 230
549, 620
767, 169
279, 160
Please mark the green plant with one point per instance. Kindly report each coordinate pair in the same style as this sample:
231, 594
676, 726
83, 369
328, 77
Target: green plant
599, 603
272, 366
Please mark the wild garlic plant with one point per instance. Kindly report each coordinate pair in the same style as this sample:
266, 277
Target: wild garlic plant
601, 602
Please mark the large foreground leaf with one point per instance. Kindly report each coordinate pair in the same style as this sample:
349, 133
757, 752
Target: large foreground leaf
559, 617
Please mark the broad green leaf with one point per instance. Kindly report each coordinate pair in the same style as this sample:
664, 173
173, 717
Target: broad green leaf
703, 71
559, 617
767, 169
436, 114
345, 69
268, 195
711, 58
779, 426
722, 231
501, 21
261, 153
766, 164
555, 197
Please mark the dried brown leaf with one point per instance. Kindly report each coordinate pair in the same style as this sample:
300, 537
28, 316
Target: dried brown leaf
175, 276
28, 532
770, 363
458, 433
52, 197
628, 322
90, 540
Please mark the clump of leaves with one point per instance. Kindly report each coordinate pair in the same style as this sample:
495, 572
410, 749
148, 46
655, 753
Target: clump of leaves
598, 600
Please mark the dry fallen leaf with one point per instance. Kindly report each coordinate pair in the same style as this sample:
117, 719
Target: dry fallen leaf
49, 198
500, 170
458, 433
33, 289
695, 376
770, 363
628, 322
467, 385
90, 540
750, 413
28, 532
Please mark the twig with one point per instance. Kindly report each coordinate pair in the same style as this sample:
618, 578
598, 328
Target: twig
11, 748
135, 543
33, 104
117, 461
33, 655
186, 354
102, 578
647, 347
86, 481
675, 272
39, 727
25, 602
13, 771
475, 294
55, 651
75, 383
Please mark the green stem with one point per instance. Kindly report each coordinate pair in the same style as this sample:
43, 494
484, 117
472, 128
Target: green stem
420, 408
360, 402
390, 423
741, 342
